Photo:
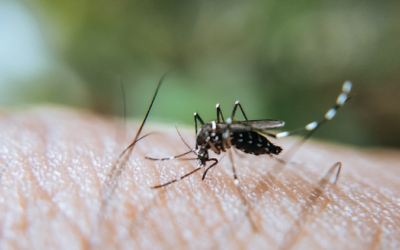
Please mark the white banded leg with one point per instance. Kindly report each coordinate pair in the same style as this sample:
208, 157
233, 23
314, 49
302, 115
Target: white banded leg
311, 127
341, 100
219, 114
237, 103
197, 118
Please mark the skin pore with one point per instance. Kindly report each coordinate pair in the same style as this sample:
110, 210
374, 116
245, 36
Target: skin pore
55, 162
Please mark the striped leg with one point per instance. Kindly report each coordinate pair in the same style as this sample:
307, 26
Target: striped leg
188, 174
237, 103
313, 126
219, 114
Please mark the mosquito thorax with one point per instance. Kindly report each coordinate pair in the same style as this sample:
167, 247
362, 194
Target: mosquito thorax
213, 133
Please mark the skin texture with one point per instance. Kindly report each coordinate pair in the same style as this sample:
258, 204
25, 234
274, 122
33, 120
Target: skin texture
55, 192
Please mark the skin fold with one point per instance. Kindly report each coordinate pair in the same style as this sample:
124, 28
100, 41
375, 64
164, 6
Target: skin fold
56, 192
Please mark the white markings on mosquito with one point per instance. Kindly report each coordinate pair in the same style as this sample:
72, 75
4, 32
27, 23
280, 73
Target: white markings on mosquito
258, 127
330, 114
346, 87
213, 125
312, 125
282, 134
341, 99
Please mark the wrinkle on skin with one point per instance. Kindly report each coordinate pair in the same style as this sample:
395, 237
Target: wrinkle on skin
54, 163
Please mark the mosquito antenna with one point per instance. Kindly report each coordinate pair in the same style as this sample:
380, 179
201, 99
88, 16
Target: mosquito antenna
293, 234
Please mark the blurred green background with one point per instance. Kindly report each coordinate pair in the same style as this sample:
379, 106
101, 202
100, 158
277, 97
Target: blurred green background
282, 60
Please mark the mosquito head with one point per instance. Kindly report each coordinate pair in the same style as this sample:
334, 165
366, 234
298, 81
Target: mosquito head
202, 155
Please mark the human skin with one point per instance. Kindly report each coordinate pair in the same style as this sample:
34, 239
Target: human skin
56, 194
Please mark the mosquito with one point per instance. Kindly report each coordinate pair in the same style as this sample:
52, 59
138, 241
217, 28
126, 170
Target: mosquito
249, 136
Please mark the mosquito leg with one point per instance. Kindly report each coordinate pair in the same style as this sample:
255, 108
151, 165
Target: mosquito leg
237, 103
313, 126
121, 123
226, 138
197, 118
180, 178
123, 157
336, 168
233, 168
119, 165
291, 236
236, 181
213, 148
212, 165
168, 158
219, 114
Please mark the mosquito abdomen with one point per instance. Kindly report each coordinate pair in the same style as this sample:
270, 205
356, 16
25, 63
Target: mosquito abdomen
254, 143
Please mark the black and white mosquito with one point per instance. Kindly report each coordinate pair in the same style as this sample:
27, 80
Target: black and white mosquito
249, 136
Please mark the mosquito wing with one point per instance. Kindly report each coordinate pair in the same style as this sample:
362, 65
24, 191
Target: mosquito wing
258, 124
